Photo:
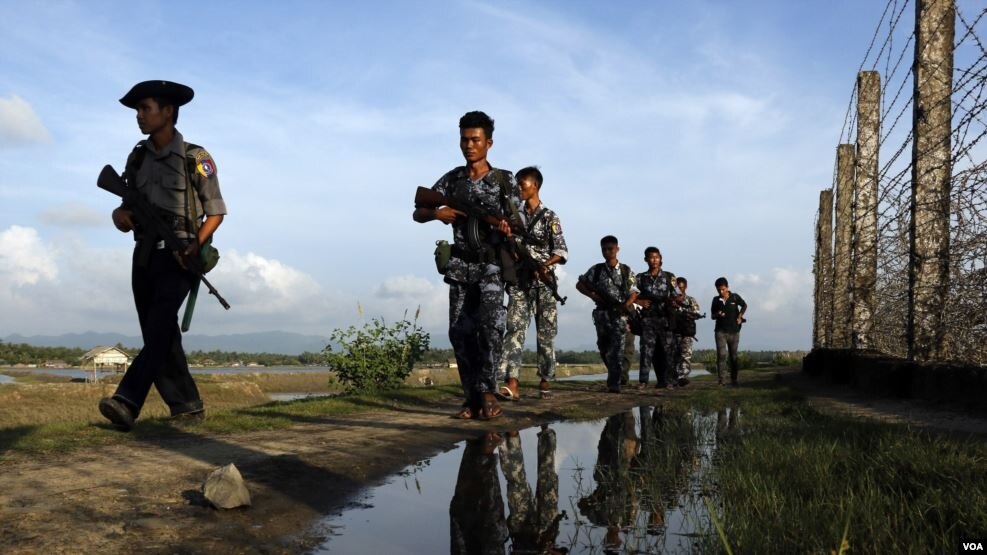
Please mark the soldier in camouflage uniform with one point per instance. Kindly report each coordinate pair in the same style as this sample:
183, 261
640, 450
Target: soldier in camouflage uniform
657, 340
687, 309
545, 243
534, 521
476, 286
610, 285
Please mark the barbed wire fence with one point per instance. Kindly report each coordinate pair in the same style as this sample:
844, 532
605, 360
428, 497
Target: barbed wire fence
927, 299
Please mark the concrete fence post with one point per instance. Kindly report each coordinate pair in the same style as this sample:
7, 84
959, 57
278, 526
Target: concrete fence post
822, 324
864, 254
842, 267
928, 268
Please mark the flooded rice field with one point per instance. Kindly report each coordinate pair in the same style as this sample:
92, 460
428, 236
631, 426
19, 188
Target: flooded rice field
639, 481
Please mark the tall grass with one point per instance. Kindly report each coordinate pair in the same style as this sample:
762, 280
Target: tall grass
793, 480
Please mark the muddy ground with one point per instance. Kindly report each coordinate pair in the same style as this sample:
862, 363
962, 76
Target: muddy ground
124, 499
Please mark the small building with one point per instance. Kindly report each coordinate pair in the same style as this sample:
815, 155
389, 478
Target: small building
105, 358
452, 363
56, 364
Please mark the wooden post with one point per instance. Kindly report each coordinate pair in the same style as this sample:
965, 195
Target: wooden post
928, 268
822, 328
865, 207
842, 266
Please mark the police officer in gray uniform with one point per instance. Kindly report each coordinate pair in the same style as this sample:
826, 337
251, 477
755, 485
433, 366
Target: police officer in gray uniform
657, 339
610, 284
476, 286
545, 244
180, 179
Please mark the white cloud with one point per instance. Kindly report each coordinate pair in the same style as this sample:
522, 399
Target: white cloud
24, 259
19, 125
402, 287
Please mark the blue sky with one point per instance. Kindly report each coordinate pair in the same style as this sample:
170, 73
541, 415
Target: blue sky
705, 128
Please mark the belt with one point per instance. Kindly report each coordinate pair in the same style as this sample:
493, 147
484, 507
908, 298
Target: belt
485, 257
157, 245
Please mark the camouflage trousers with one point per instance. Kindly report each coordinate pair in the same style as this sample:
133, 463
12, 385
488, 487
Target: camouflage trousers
658, 350
683, 362
628, 359
533, 522
611, 330
476, 331
521, 305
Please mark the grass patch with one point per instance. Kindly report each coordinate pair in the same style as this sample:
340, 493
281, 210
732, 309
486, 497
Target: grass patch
789, 479
70, 419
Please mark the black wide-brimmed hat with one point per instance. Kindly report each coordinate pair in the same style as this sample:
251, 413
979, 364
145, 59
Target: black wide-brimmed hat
176, 92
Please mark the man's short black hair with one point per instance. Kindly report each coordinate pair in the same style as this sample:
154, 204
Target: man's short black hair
531, 172
682, 280
721, 281
475, 119
650, 250
608, 240
162, 102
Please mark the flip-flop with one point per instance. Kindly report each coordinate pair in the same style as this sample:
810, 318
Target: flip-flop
506, 394
490, 409
465, 413
544, 390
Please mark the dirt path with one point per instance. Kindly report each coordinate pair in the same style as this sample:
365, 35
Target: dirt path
123, 498
914, 413
118, 498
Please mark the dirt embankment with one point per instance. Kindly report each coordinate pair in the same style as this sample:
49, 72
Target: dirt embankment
122, 498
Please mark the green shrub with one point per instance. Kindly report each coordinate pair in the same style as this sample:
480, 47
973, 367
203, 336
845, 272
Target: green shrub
377, 356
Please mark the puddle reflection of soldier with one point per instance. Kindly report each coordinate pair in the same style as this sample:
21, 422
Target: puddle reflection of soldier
727, 420
664, 468
534, 521
476, 512
612, 504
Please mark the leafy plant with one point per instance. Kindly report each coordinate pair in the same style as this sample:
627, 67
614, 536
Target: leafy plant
376, 356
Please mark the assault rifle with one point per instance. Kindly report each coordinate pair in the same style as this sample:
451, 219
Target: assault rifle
151, 222
425, 197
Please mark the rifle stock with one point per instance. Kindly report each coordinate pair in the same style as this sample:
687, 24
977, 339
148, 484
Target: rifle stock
147, 217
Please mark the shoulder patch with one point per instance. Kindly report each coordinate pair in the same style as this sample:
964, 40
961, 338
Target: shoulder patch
204, 164
556, 226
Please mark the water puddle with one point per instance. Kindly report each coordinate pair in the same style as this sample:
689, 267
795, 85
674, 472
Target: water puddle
297, 396
631, 483
6, 379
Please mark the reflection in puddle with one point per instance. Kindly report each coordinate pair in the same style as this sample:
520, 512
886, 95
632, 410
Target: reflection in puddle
632, 483
6, 379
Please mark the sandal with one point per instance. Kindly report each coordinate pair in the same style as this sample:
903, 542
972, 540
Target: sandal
465, 413
509, 391
491, 409
545, 390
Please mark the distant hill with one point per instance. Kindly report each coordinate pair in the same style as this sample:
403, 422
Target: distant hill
280, 342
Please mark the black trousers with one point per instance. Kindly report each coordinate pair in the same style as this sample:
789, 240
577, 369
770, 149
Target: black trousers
159, 288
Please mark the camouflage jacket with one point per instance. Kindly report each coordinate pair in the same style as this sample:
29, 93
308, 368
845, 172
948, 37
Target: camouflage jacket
486, 194
657, 289
609, 282
544, 235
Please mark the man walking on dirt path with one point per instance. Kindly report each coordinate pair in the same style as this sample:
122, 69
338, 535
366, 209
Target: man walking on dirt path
728, 311
179, 179
531, 295
477, 318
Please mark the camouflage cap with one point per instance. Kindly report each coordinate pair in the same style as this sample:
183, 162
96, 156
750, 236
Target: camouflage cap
178, 93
